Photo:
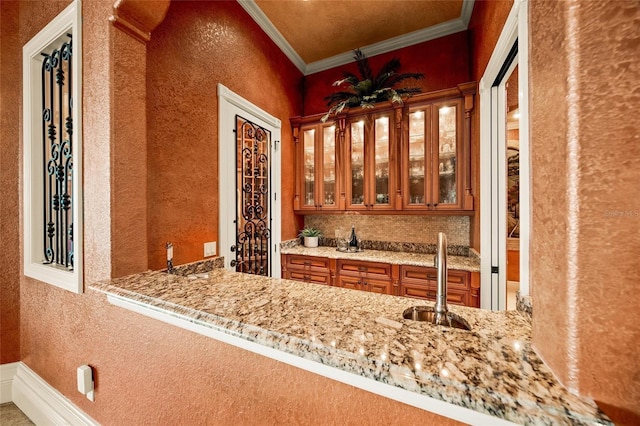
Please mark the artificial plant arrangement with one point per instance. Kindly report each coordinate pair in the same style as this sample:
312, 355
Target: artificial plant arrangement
368, 89
310, 236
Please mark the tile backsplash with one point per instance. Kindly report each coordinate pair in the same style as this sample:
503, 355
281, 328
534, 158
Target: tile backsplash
395, 228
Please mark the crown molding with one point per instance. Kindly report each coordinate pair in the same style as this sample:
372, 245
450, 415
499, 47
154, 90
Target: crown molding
263, 22
436, 31
389, 45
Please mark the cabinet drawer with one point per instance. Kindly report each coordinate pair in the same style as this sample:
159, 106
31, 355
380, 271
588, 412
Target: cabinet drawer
421, 273
426, 275
350, 267
307, 262
428, 292
419, 291
308, 277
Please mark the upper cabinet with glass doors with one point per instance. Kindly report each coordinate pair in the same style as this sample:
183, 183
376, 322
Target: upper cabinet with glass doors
369, 166
436, 149
318, 187
413, 159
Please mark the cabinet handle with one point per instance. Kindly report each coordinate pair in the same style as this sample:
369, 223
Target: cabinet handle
428, 204
306, 263
431, 294
306, 277
435, 204
431, 277
362, 268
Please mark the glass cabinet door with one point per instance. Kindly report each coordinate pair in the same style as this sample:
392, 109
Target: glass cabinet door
416, 186
446, 155
357, 164
309, 168
328, 192
381, 158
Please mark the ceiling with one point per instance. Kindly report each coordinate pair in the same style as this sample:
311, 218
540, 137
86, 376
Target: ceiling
322, 34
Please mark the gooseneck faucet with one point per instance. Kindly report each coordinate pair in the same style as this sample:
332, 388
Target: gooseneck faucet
440, 308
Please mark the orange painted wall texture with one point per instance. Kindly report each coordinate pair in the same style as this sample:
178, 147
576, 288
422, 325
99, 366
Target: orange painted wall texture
145, 369
585, 153
485, 27
148, 372
443, 61
198, 45
10, 101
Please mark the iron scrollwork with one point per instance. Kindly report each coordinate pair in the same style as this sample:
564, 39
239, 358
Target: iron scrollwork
253, 234
57, 150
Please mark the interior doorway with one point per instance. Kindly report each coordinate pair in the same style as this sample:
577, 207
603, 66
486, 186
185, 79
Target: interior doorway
249, 186
505, 174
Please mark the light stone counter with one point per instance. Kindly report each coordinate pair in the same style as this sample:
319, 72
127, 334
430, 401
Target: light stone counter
489, 371
465, 263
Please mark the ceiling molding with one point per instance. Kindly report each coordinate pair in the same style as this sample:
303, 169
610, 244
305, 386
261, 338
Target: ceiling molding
436, 31
261, 19
389, 45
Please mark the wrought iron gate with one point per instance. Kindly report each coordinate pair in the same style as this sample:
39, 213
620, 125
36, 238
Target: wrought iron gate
253, 191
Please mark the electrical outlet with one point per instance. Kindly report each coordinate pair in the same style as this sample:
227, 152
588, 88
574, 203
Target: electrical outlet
209, 249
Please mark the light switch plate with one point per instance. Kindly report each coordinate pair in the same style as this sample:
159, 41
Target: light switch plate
209, 249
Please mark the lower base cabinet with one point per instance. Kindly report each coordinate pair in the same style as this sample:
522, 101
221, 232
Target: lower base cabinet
419, 282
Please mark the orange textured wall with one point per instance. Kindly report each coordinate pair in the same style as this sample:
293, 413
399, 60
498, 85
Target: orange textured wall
10, 149
199, 45
585, 154
443, 61
485, 26
148, 372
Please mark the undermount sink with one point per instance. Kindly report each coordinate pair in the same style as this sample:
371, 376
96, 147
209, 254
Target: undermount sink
427, 314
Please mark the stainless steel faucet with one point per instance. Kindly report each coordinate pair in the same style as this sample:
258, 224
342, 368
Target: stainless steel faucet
440, 308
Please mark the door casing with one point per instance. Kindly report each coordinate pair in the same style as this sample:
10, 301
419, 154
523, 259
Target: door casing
230, 104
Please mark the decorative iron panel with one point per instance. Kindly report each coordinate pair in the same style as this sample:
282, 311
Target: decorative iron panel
57, 155
253, 216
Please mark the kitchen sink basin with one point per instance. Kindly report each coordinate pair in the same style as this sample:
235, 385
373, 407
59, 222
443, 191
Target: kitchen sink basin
427, 314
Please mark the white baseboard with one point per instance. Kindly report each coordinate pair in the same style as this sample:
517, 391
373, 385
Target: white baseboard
41, 402
7, 373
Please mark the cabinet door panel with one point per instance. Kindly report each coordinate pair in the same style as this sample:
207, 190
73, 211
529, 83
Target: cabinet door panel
309, 168
378, 286
447, 149
328, 192
354, 283
356, 194
458, 280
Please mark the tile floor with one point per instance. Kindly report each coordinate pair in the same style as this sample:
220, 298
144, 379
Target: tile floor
10, 415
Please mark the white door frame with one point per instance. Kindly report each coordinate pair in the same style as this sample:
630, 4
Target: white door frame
493, 241
230, 104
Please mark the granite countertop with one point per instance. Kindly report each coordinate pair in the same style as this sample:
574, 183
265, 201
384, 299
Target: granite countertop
464, 263
490, 369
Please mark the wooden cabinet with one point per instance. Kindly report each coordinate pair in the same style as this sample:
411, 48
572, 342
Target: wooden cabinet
318, 186
369, 276
307, 268
421, 282
371, 161
404, 159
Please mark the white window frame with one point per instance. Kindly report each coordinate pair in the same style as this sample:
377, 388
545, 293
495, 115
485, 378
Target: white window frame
68, 21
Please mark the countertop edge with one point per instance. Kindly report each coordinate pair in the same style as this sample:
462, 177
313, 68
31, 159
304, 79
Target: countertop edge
414, 399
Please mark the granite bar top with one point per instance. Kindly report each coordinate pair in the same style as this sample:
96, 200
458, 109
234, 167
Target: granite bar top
491, 369
464, 263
